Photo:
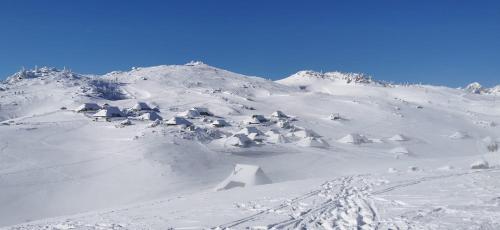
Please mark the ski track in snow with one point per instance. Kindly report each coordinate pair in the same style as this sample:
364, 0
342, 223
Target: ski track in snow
343, 203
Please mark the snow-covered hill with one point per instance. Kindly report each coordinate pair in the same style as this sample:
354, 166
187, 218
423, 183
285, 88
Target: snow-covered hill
477, 88
314, 150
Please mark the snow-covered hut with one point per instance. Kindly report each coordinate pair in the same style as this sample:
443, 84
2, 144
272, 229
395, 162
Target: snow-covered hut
109, 111
244, 175
354, 138
249, 130
220, 123
315, 142
335, 117
151, 116
178, 121
279, 114
203, 111
190, 113
275, 137
239, 140
85, 107
141, 106
257, 119
399, 137
303, 133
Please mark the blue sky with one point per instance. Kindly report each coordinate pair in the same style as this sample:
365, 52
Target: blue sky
437, 42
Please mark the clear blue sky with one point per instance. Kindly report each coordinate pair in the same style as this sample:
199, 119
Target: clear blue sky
438, 42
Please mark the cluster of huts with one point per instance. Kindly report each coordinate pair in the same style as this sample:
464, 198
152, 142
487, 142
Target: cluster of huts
248, 135
142, 111
251, 134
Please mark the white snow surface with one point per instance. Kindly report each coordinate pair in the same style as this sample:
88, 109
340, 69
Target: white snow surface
60, 169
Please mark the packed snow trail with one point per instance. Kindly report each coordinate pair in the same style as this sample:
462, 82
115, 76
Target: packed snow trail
343, 203
345, 207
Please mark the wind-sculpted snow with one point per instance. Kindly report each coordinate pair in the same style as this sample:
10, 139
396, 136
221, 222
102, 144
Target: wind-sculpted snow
145, 148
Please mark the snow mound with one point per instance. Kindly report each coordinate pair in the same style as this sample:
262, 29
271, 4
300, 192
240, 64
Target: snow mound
413, 169
126, 122
491, 144
480, 164
354, 138
459, 135
195, 112
392, 170
446, 168
400, 151
399, 137
312, 142
244, 175
275, 138
154, 124
305, 133
239, 140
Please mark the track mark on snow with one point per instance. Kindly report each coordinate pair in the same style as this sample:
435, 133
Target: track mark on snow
343, 203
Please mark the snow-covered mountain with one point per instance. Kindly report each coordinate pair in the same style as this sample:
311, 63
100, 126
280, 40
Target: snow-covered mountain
194, 146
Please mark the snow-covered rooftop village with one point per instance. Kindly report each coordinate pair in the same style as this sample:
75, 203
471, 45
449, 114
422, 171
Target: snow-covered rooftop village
198, 146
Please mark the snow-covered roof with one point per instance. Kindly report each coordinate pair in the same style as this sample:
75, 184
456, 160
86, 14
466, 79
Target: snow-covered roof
220, 123
109, 111
178, 121
275, 138
248, 130
191, 113
303, 133
257, 119
203, 111
152, 116
141, 106
312, 142
244, 175
354, 138
279, 114
399, 137
239, 139
88, 107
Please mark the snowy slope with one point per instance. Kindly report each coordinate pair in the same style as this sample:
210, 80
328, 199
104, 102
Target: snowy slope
372, 166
